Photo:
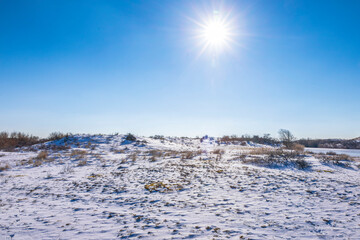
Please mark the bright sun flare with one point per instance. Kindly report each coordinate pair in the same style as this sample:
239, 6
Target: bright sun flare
215, 33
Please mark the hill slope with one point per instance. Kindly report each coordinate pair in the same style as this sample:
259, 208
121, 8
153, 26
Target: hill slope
102, 187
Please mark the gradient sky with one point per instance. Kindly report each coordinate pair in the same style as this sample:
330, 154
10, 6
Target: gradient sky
135, 66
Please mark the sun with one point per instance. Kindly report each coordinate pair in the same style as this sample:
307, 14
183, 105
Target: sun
215, 33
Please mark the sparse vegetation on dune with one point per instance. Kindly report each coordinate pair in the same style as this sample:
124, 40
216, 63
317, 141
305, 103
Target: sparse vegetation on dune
164, 187
271, 157
10, 141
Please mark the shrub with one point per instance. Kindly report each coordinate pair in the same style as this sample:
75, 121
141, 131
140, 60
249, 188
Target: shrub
67, 169
130, 137
161, 137
341, 160
298, 147
14, 140
57, 136
302, 164
286, 137
276, 158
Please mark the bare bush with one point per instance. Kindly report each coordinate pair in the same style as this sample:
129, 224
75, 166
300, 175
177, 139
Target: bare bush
14, 140
268, 157
67, 169
265, 139
286, 137
341, 160
130, 137
57, 136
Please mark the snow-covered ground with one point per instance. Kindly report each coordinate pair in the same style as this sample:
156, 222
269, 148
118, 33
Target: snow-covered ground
172, 188
350, 152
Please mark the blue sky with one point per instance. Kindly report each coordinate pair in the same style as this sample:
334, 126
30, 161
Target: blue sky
135, 66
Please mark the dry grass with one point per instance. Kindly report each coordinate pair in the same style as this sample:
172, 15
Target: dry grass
133, 157
37, 163
78, 153
298, 147
156, 153
265, 151
190, 154
163, 187
42, 155
218, 151
67, 169
82, 163
270, 157
4, 168
341, 160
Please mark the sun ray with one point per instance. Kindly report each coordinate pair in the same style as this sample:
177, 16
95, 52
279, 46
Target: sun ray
215, 32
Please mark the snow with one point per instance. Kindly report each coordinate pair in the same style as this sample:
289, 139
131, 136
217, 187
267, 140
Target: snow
204, 197
350, 152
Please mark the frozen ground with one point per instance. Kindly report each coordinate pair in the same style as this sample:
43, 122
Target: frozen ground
172, 189
350, 152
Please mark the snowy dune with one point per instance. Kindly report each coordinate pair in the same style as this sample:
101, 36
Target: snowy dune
103, 187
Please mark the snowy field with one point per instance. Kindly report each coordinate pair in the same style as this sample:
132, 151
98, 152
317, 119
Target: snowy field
350, 152
102, 187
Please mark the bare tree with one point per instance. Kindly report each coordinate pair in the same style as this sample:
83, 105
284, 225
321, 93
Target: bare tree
286, 137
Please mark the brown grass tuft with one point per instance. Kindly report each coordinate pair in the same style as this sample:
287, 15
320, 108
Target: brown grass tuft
4, 168
42, 155
82, 162
78, 153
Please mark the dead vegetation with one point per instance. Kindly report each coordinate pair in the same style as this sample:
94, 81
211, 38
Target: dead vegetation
42, 155
10, 141
78, 153
163, 187
341, 160
4, 167
297, 147
218, 151
82, 163
133, 157
190, 154
276, 157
